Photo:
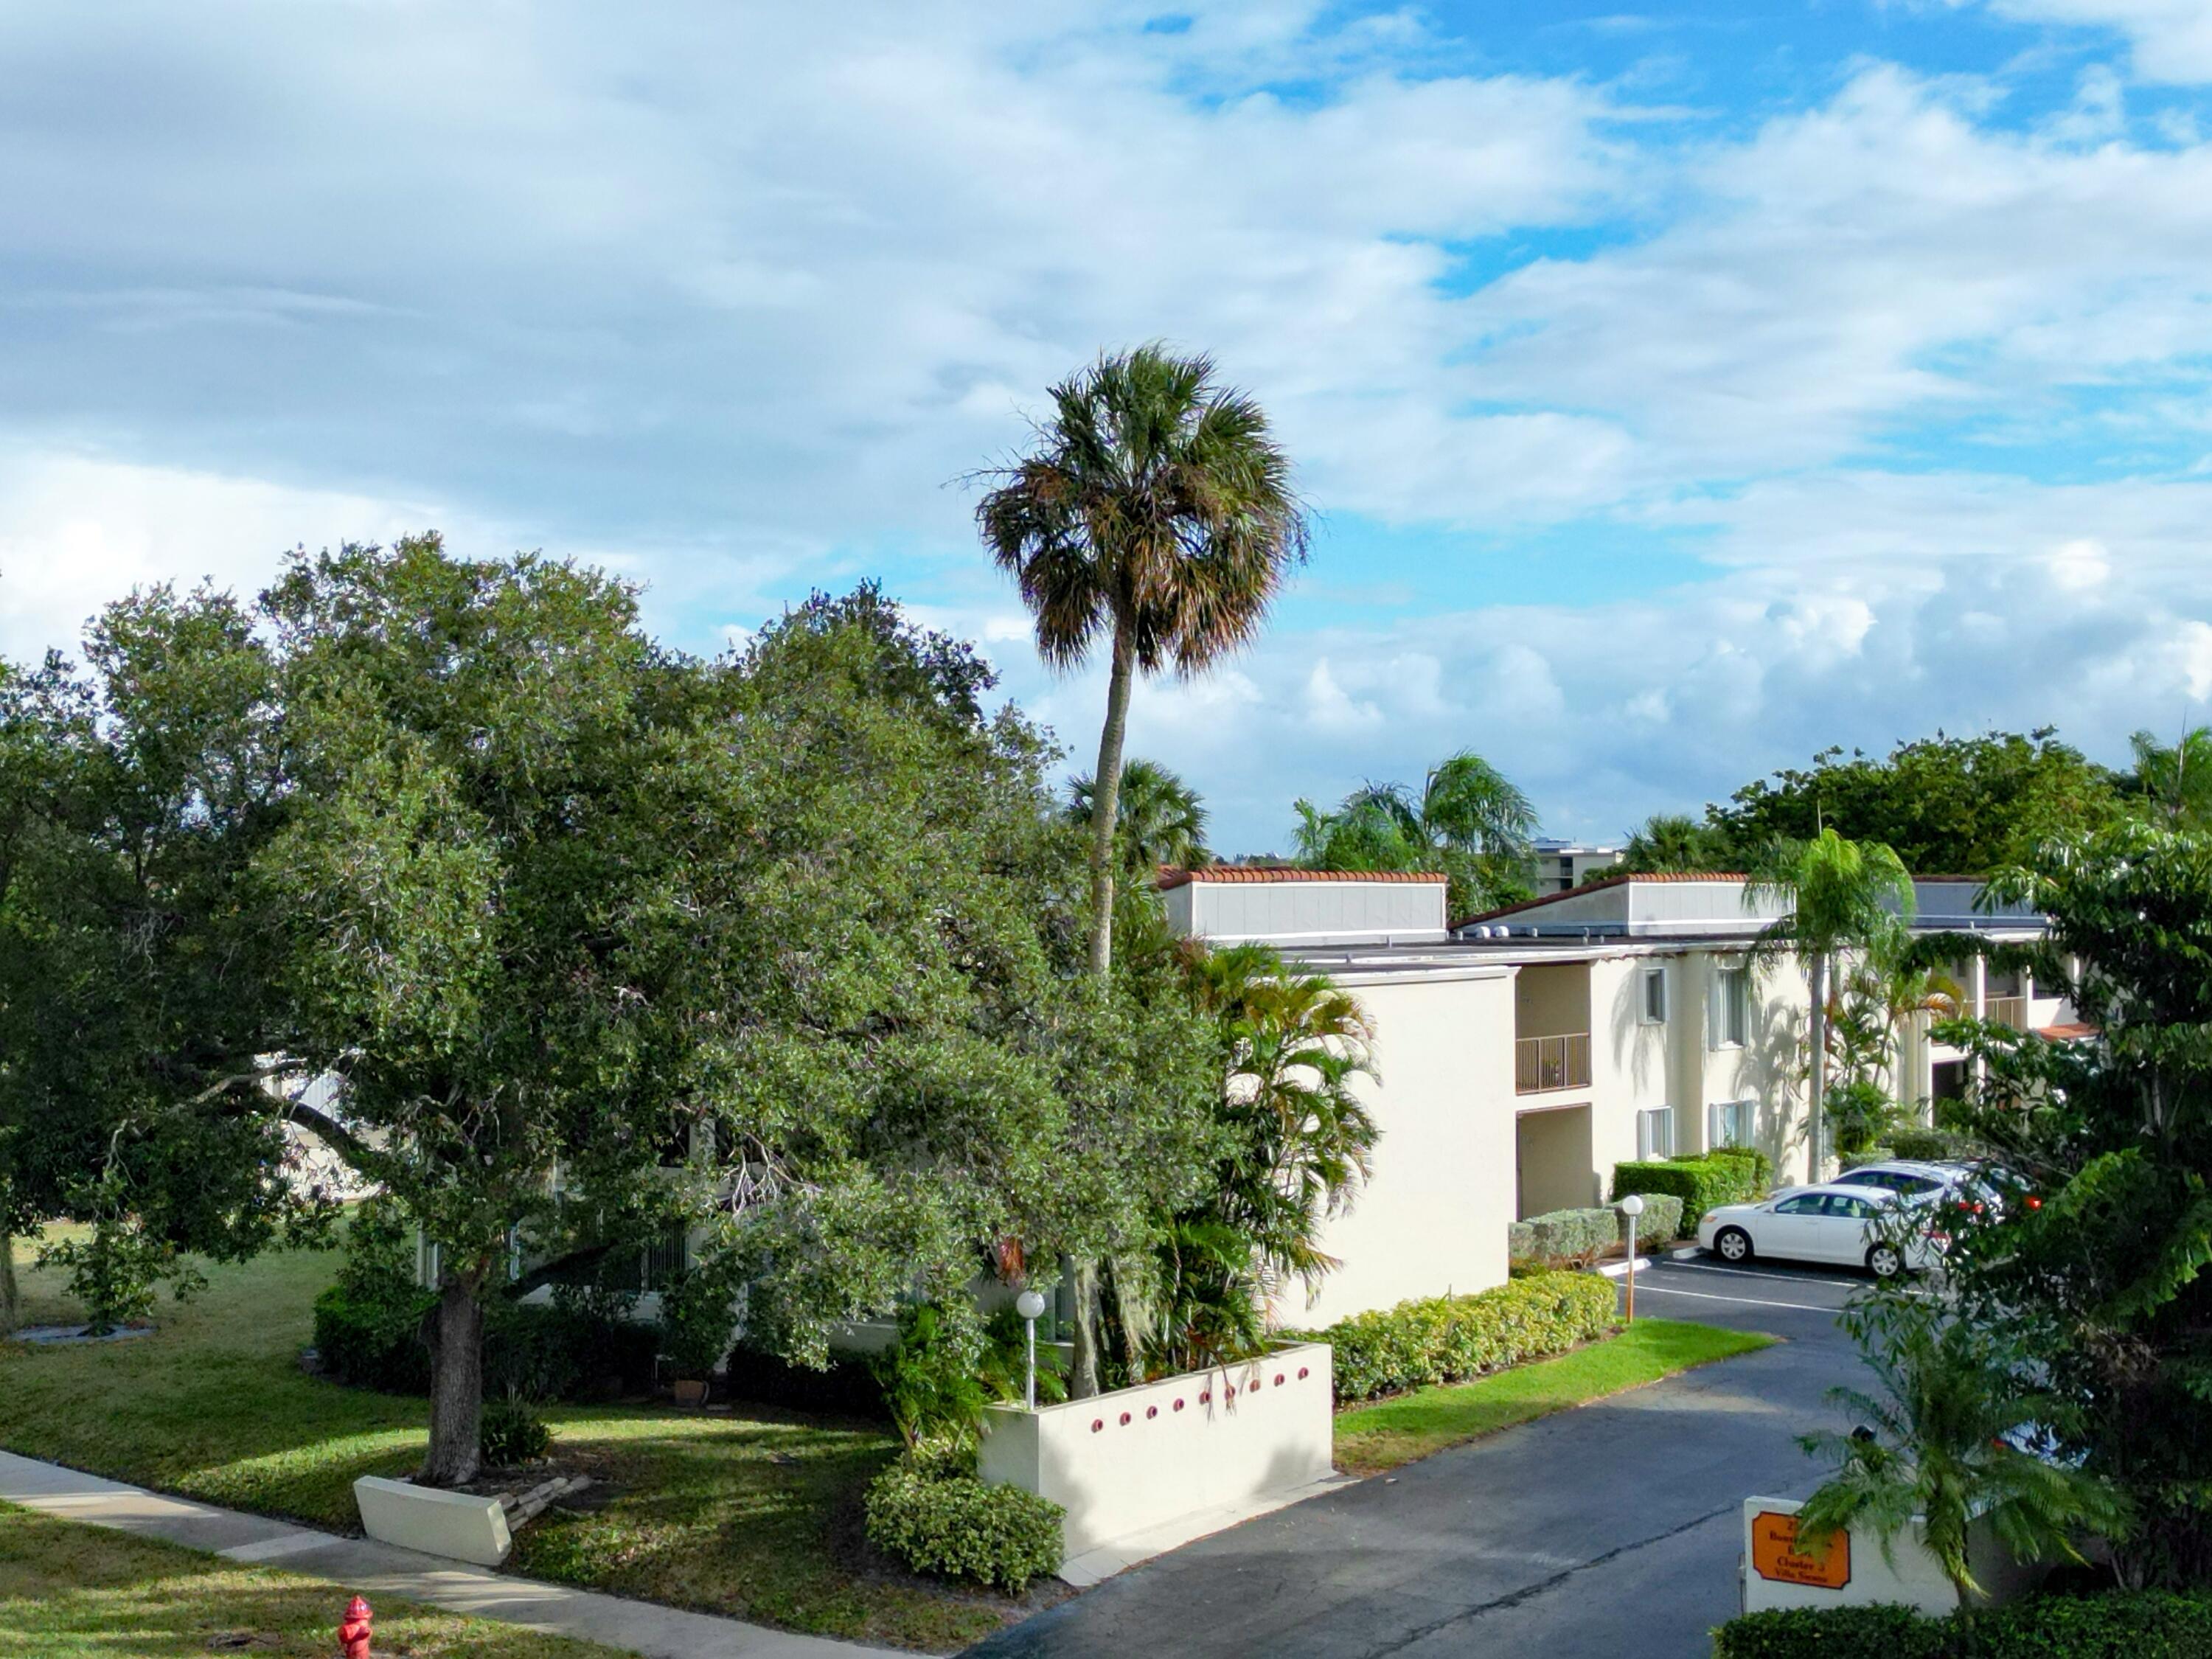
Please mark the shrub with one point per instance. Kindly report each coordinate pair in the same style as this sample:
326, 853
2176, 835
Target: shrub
1762, 1167
1572, 1237
1520, 1242
1447, 1338
1863, 1633
932, 1376
2119, 1625
1702, 1184
369, 1324
953, 1526
1660, 1223
1929, 1145
510, 1433
698, 1322
568, 1348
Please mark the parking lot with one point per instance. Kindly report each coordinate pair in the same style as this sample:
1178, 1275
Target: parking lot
1609, 1528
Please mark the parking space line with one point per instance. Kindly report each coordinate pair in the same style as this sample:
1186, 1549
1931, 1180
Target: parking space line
1651, 1288
1753, 1272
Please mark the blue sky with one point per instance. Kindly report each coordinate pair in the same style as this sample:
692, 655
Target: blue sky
1679, 389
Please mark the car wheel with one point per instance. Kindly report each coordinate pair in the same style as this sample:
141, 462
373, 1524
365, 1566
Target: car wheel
1734, 1244
1884, 1261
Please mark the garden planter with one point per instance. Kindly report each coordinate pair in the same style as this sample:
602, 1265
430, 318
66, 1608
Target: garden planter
691, 1393
1121, 1463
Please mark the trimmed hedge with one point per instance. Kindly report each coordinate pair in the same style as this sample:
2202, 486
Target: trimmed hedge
956, 1527
1449, 1339
1660, 1223
372, 1338
1702, 1184
1571, 1237
1762, 1167
2122, 1625
1929, 1145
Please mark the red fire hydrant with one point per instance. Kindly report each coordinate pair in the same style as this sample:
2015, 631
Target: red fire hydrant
353, 1634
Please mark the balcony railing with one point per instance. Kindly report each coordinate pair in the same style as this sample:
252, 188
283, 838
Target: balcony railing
1541, 1063
2006, 1010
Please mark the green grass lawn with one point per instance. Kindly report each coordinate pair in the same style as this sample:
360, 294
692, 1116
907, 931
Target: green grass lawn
1372, 1439
755, 1515
77, 1592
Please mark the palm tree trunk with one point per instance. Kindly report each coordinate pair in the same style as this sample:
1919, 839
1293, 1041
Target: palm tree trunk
1105, 808
11, 1311
1818, 973
1106, 802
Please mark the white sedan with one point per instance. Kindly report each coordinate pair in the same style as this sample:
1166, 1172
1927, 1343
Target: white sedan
1836, 1223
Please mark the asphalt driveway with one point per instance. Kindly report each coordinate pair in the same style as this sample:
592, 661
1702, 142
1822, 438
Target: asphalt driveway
1610, 1529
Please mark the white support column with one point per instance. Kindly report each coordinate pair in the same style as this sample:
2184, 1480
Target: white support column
1981, 988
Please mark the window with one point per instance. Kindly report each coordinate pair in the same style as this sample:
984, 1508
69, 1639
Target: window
1731, 1123
1731, 1007
1654, 996
1809, 1204
1655, 1133
1896, 1181
1850, 1208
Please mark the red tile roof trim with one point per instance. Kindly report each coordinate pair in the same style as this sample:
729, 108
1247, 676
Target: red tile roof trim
1239, 873
2067, 1031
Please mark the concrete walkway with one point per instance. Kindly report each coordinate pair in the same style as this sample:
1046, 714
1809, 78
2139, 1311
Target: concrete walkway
375, 1569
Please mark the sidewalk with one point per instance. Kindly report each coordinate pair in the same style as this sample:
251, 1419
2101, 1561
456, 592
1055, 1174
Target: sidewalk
373, 1569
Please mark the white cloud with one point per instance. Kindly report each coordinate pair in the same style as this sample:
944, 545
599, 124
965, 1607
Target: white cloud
77, 531
2171, 38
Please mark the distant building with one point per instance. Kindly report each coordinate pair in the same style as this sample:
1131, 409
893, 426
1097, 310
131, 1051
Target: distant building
1558, 865
1524, 1053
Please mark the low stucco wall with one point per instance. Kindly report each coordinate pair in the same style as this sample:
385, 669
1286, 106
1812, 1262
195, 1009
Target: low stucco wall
455, 1525
1907, 1573
1120, 1463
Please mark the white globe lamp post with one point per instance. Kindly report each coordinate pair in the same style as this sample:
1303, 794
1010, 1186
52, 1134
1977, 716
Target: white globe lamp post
1029, 1304
1632, 1206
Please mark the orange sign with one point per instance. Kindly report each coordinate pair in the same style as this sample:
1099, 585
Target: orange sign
1775, 1554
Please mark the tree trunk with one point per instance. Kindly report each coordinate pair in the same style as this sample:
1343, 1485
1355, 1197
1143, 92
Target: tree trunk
1818, 1090
11, 1309
1083, 1363
456, 1383
1106, 802
1105, 810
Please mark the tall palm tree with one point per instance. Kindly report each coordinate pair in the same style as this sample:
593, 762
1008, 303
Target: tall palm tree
1838, 895
1160, 819
2177, 781
1155, 516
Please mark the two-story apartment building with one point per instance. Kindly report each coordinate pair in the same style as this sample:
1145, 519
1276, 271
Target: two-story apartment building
1521, 1055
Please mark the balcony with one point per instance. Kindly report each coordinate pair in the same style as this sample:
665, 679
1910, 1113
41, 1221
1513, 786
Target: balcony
1542, 1065
2006, 1010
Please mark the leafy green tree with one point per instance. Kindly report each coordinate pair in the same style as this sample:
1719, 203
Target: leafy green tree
1160, 822
597, 939
1953, 1439
1154, 515
1946, 805
132, 977
2175, 783
2101, 1277
1467, 820
1838, 895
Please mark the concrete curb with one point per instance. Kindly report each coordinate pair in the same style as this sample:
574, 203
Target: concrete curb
372, 1568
